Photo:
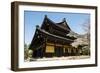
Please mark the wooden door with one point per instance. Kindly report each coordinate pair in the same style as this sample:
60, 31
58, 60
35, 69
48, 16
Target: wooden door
59, 51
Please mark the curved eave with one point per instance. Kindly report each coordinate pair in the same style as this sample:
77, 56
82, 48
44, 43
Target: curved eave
59, 37
49, 36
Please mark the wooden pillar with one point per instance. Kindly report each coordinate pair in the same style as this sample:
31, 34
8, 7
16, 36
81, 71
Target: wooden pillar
44, 46
54, 48
44, 50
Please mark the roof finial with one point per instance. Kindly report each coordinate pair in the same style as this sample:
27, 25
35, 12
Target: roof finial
64, 19
45, 16
37, 26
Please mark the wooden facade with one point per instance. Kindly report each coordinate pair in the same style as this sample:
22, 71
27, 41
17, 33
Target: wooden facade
51, 40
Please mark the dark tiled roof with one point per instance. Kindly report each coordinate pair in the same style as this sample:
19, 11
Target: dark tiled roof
59, 37
61, 25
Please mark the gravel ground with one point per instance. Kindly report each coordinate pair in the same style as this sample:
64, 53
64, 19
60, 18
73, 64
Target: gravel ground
58, 58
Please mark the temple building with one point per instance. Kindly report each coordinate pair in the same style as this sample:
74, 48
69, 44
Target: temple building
52, 40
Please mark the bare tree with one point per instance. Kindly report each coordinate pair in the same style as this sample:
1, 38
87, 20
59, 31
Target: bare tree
86, 28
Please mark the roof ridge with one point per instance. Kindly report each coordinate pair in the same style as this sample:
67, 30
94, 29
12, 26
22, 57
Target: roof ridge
64, 20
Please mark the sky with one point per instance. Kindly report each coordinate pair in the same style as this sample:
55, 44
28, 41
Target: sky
33, 18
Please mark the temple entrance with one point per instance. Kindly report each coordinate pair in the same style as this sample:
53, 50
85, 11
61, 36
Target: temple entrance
59, 51
38, 53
